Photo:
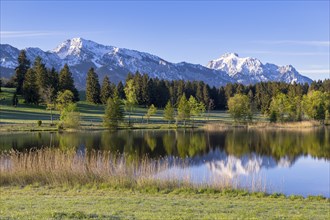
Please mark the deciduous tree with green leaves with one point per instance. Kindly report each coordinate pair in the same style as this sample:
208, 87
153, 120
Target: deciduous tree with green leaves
169, 112
64, 99
196, 108
151, 111
239, 108
70, 117
317, 105
279, 108
131, 100
183, 109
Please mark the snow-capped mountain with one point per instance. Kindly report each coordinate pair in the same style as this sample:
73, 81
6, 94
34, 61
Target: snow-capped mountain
81, 54
249, 70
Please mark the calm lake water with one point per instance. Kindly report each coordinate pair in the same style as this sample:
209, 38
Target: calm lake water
290, 162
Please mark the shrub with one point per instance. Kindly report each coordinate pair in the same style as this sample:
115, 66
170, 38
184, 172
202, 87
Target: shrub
70, 117
39, 122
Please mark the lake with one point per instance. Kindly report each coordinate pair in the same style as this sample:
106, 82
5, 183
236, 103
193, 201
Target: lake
289, 162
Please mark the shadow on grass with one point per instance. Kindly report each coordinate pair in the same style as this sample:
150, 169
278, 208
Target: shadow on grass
23, 115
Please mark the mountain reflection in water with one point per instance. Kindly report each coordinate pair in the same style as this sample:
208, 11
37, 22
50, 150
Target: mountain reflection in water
233, 153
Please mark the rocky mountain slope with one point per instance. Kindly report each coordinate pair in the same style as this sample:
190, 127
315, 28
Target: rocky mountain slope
81, 54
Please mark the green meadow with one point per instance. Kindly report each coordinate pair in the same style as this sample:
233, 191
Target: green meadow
24, 117
42, 202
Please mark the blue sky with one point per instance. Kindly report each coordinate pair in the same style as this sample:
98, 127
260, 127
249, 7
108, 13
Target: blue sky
282, 32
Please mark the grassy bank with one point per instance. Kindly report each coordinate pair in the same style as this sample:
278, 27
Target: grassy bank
103, 203
24, 117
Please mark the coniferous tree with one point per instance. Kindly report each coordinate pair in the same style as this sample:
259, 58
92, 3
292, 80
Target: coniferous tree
66, 82
206, 94
229, 90
145, 90
106, 90
20, 71
41, 72
120, 90
199, 91
152, 90
162, 94
41, 75
138, 87
189, 89
30, 88
92, 87
221, 99
53, 82
180, 90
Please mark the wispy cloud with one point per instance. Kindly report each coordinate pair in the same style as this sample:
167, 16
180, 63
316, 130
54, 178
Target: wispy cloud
295, 42
15, 34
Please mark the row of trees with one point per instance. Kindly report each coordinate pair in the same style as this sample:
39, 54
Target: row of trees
155, 91
284, 107
186, 109
37, 84
280, 101
42, 84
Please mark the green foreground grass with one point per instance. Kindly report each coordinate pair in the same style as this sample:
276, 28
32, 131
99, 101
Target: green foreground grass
44, 202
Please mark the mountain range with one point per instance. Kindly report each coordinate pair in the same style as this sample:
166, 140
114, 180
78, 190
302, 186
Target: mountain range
81, 54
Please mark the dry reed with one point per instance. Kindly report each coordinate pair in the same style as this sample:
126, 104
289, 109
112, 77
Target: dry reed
263, 125
51, 166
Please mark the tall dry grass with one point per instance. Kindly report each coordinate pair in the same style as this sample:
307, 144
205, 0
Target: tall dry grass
51, 166
55, 166
263, 125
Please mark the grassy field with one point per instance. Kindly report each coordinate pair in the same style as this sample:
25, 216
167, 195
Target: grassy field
41, 202
24, 117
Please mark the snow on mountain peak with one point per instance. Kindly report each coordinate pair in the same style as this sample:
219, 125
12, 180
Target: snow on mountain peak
233, 64
75, 46
81, 54
249, 70
229, 55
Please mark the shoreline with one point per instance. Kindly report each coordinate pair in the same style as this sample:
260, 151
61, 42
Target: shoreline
158, 189
208, 126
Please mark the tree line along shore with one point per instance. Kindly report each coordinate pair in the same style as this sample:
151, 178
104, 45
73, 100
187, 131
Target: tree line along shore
181, 102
